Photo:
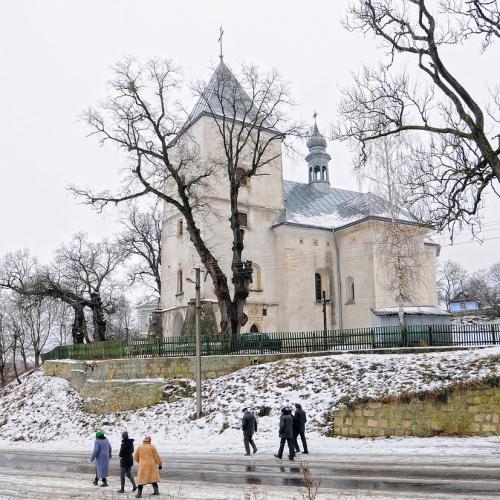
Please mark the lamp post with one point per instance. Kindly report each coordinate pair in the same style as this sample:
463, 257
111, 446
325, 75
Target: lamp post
197, 340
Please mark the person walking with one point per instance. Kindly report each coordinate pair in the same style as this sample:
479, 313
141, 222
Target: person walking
286, 433
299, 428
126, 462
147, 457
249, 427
102, 456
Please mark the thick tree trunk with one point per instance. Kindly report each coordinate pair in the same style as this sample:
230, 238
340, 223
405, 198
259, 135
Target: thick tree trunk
79, 327
37, 358
98, 317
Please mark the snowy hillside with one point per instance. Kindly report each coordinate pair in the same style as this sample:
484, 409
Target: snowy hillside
47, 409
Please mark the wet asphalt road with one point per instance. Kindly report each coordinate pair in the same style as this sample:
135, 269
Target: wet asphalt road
383, 474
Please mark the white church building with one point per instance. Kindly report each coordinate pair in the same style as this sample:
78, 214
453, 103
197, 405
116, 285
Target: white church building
304, 238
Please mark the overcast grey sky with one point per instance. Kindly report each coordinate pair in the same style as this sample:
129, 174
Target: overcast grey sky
55, 61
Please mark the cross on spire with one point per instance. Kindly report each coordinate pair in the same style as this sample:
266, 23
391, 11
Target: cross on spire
221, 32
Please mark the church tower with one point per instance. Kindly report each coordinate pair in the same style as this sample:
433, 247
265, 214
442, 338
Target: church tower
317, 160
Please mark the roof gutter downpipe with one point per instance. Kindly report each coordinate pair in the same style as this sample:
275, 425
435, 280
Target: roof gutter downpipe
339, 282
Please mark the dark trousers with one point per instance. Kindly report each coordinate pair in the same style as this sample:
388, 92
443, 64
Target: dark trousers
125, 472
247, 441
291, 452
302, 438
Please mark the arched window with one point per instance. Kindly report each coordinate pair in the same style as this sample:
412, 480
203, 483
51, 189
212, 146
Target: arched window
318, 287
350, 291
254, 328
179, 281
317, 171
257, 278
310, 174
323, 173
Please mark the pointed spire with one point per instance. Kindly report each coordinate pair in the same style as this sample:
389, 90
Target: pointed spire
221, 32
315, 129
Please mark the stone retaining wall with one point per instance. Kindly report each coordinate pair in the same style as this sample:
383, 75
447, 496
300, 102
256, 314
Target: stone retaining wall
460, 412
128, 384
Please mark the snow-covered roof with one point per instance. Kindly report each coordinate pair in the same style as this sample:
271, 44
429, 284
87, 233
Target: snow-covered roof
413, 310
308, 206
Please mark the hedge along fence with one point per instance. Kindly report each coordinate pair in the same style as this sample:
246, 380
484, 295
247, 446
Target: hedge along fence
287, 342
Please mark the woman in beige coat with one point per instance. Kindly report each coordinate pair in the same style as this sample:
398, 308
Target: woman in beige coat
147, 457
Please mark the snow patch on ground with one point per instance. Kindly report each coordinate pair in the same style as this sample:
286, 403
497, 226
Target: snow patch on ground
44, 409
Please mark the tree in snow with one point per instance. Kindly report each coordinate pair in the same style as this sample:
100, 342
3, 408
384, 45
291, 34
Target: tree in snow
454, 146
141, 118
484, 285
141, 241
122, 323
452, 280
89, 269
399, 247
32, 321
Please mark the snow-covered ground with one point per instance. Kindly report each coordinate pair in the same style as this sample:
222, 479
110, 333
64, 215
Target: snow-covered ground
46, 409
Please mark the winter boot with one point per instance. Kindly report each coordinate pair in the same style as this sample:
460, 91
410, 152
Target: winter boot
156, 490
122, 486
134, 486
104, 483
139, 492
95, 482
277, 456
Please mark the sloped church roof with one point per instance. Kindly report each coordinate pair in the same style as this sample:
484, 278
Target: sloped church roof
224, 96
304, 203
307, 206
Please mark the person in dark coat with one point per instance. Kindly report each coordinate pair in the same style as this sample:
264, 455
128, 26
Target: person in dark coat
286, 433
299, 428
126, 462
249, 427
102, 456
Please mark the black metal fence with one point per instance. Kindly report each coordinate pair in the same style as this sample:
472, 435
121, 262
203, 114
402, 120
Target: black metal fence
287, 342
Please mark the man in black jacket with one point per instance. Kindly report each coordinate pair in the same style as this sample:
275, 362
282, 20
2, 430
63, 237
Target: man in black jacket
126, 462
286, 433
299, 428
249, 427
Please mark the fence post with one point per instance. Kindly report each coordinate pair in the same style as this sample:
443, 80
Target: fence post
493, 334
430, 336
404, 338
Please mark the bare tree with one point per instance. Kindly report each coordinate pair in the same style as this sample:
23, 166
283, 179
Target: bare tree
484, 285
452, 280
88, 268
399, 246
21, 273
141, 240
122, 323
5, 341
140, 118
454, 139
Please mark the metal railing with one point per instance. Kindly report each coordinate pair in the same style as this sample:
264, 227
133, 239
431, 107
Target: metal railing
286, 342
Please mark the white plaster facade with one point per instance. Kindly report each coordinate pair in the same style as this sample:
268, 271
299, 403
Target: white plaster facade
289, 245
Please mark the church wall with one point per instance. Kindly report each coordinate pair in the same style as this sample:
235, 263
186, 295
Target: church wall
355, 245
262, 201
302, 252
424, 290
